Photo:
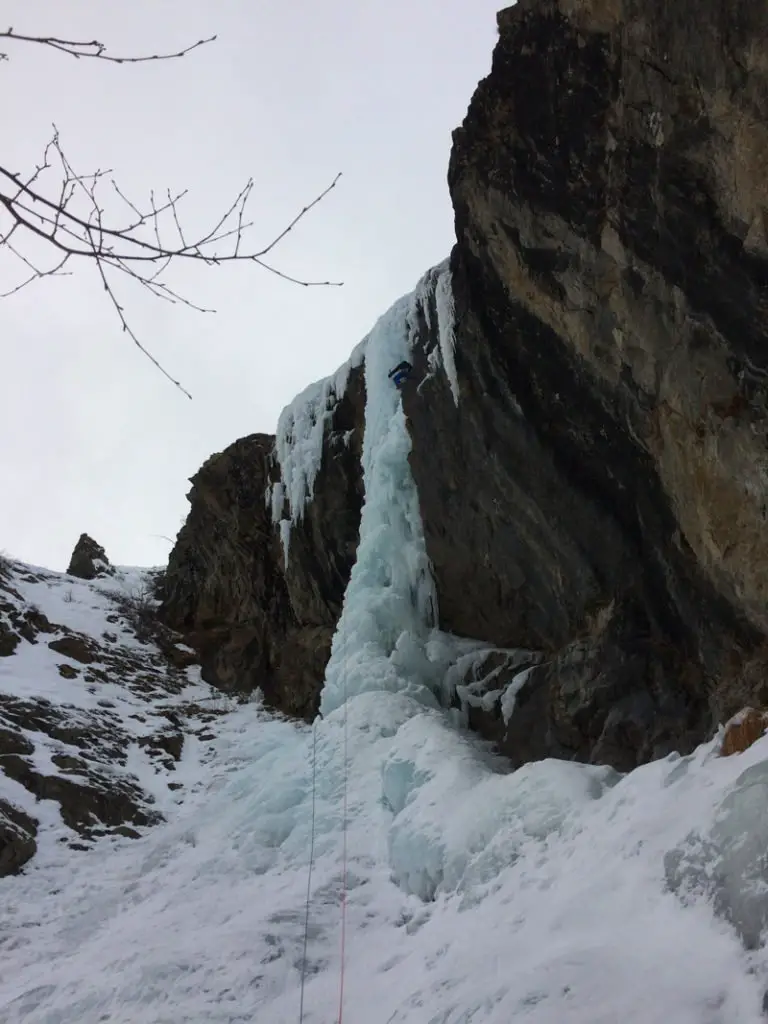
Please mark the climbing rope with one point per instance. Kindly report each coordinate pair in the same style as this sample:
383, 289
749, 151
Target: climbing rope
309, 874
343, 871
340, 1019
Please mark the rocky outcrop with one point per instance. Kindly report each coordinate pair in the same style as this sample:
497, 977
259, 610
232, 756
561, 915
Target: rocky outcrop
744, 729
88, 560
592, 465
17, 838
86, 720
18, 621
259, 618
600, 492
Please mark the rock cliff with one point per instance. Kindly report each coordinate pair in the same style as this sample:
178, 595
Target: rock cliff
600, 490
260, 620
592, 459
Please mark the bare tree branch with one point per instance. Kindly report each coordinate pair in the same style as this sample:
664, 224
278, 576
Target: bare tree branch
95, 49
51, 219
127, 330
57, 210
36, 272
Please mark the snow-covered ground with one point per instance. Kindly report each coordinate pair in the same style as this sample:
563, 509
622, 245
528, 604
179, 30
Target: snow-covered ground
90, 708
553, 906
473, 894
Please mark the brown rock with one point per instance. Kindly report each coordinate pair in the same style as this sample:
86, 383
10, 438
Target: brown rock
33, 621
744, 729
165, 742
126, 831
9, 641
100, 799
14, 742
89, 559
73, 765
180, 657
17, 838
68, 671
74, 646
609, 448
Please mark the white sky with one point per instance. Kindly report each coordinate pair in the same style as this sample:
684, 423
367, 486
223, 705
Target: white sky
93, 437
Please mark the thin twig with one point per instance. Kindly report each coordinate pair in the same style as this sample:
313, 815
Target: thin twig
148, 251
95, 49
128, 330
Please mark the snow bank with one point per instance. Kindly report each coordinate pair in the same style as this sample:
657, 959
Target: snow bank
432, 767
550, 907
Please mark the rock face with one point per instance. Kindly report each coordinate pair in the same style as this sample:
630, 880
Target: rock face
257, 621
600, 492
744, 729
88, 560
593, 471
17, 838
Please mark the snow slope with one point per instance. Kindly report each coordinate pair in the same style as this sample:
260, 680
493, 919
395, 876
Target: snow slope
100, 730
474, 894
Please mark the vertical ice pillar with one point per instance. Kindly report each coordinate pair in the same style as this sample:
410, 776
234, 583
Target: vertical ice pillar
389, 603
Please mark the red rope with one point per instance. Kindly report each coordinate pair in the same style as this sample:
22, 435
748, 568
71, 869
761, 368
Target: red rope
309, 874
343, 876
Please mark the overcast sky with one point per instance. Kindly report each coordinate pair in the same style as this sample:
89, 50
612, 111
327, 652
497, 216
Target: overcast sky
93, 438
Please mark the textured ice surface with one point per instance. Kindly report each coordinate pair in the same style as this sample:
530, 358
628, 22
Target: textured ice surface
729, 863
